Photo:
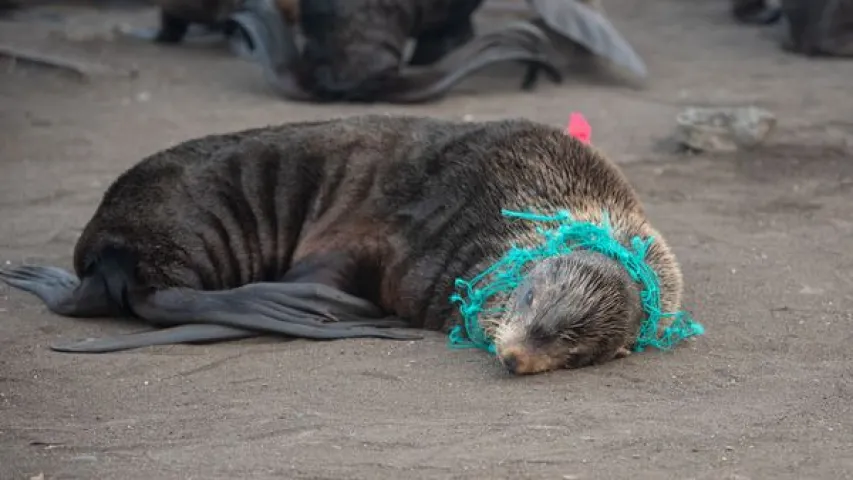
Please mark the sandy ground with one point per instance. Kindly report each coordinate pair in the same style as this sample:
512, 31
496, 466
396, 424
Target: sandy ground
764, 238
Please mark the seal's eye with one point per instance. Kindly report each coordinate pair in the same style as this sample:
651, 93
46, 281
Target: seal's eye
528, 297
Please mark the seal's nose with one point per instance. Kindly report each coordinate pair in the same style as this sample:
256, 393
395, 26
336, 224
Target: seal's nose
510, 362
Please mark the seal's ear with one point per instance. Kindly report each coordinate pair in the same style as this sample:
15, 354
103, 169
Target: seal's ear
586, 26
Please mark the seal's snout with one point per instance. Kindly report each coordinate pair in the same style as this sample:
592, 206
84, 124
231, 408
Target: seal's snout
510, 362
521, 361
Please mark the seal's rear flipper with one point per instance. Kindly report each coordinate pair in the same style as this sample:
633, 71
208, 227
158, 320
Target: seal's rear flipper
62, 292
198, 333
294, 309
520, 42
304, 310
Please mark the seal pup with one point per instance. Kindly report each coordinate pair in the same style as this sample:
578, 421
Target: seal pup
819, 27
350, 227
355, 50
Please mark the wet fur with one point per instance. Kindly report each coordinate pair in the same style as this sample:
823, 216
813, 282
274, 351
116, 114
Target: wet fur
391, 209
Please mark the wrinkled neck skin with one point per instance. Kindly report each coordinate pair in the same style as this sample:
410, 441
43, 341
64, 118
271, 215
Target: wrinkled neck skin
571, 311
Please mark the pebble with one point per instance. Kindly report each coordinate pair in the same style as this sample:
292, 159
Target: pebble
723, 129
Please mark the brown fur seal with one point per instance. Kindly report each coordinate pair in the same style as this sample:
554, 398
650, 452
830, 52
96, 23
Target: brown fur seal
819, 27
342, 228
811, 27
354, 50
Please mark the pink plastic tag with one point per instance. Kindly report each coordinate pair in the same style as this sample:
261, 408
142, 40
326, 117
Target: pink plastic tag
579, 127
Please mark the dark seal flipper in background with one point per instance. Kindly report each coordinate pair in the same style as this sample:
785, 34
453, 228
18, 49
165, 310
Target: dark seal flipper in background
263, 36
520, 42
585, 26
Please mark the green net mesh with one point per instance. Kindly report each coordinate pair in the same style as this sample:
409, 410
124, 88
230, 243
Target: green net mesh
569, 234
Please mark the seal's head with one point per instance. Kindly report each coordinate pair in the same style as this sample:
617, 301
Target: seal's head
353, 48
571, 311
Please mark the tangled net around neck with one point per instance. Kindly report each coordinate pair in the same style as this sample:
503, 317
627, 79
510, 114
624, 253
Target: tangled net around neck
502, 277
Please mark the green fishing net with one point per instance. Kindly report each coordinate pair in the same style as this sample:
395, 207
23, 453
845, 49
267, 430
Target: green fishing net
569, 234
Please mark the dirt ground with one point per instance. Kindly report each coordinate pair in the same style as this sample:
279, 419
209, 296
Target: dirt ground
764, 238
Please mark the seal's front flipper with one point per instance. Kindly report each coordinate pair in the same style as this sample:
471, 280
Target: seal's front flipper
262, 35
303, 310
198, 333
587, 27
61, 291
520, 42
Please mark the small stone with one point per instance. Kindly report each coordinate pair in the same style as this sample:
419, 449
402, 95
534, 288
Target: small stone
143, 96
721, 129
729, 448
